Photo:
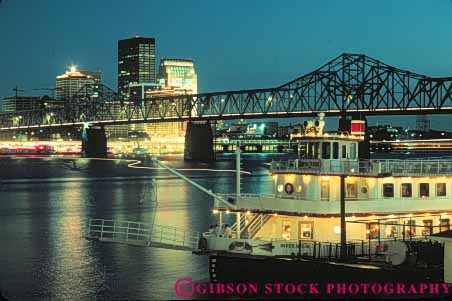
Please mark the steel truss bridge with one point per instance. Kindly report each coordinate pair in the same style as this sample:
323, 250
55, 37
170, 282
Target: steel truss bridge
349, 84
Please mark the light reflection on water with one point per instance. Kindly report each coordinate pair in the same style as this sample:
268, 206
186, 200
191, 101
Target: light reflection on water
43, 253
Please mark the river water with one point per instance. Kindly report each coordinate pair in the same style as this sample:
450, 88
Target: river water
45, 205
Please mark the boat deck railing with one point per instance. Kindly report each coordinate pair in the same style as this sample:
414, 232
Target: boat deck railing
143, 234
396, 167
372, 250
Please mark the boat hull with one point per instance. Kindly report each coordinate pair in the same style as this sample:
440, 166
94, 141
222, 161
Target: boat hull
227, 268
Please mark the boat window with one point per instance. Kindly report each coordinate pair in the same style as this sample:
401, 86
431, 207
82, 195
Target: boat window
299, 188
406, 190
444, 223
286, 229
310, 150
352, 153
324, 190
351, 190
409, 228
316, 150
303, 150
373, 230
440, 189
280, 188
391, 229
424, 190
326, 150
335, 150
388, 190
288, 188
364, 189
306, 230
344, 151
428, 227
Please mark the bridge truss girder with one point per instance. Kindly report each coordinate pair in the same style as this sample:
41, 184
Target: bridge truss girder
349, 84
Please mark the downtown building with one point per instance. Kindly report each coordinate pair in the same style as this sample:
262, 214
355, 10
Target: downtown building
136, 75
72, 82
136, 65
21, 103
176, 77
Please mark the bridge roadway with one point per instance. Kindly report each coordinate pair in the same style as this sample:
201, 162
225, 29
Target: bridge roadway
350, 84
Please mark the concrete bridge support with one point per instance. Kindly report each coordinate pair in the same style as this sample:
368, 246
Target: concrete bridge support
94, 142
199, 142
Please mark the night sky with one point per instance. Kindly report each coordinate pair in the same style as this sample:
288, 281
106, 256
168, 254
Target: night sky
235, 44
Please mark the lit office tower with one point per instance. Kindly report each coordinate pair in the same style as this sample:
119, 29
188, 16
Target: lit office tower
176, 76
178, 73
72, 81
136, 63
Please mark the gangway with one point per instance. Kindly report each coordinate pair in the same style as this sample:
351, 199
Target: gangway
142, 234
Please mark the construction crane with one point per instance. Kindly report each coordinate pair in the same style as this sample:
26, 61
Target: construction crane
17, 90
48, 89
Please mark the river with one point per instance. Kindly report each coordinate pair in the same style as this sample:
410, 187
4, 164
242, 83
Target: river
45, 206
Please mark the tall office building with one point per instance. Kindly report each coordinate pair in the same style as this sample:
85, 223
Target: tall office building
136, 63
70, 83
177, 77
178, 73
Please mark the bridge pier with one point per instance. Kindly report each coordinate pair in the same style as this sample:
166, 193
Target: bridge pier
199, 142
94, 142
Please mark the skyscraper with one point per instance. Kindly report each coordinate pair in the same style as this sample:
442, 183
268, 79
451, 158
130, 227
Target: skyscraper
136, 63
73, 80
178, 73
177, 77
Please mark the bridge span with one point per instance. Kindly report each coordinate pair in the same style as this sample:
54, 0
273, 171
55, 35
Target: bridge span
350, 84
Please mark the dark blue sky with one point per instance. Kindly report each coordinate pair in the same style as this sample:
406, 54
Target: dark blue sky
235, 44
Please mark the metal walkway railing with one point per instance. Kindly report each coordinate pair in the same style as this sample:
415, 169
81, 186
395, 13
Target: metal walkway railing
142, 234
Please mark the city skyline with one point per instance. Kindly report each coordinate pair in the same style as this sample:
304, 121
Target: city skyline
227, 59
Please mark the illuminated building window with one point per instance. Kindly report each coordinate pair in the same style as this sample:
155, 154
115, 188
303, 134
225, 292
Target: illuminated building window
440, 189
424, 190
351, 190
388, 190
406, 190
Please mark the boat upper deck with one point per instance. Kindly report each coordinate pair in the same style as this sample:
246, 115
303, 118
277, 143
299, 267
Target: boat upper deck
388, 167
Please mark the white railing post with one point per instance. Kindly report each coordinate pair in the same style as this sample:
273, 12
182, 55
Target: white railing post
114, 229
102, 230
127, 231
89, 227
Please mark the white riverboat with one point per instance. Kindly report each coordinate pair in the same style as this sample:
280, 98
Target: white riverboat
388, 209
